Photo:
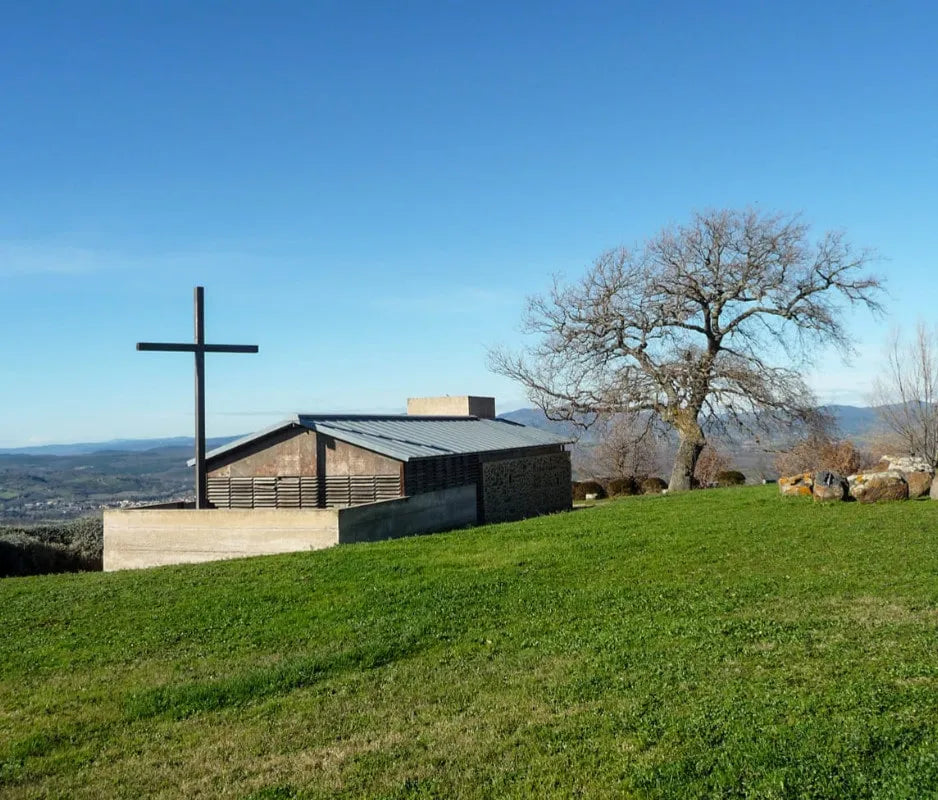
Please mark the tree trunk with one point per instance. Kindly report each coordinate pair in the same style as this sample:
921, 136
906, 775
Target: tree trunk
692, 443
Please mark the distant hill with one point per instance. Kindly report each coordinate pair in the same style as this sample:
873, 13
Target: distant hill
853, 421
65, 481
535, 418
112, 446
856, 422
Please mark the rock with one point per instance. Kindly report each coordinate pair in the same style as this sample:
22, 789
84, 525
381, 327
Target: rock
829, 487
906, 464
919, 483
934, 489
871, 487
917, 471
796, 484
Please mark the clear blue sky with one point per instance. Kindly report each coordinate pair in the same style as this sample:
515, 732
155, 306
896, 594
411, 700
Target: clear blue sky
369, 190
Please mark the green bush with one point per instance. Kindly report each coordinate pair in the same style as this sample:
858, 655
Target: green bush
618, 487
654, 486
730, 477
583, 488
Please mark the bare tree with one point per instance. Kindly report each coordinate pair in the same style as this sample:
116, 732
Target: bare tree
907, 393
627, 447
687, 326
817, 452
711, 462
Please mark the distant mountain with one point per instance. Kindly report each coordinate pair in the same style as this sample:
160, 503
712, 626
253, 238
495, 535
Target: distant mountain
535, 418
853, 422
114, 445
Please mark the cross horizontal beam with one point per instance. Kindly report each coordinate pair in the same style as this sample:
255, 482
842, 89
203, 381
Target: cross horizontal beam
177, 347
199, 348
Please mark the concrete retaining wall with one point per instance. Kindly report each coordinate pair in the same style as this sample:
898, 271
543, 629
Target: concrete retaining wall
443, 510
136, 538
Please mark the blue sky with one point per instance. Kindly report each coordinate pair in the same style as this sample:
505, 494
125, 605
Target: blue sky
369, 190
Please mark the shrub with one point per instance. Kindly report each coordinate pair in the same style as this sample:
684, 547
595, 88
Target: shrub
821, 452
74, 546
709, 465
730, 477
583, 488
619, 487
653, 486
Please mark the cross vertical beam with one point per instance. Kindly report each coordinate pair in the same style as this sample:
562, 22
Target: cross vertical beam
201, 480
199, 348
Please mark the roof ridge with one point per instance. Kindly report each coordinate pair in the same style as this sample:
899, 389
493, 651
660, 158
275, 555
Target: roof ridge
395, 417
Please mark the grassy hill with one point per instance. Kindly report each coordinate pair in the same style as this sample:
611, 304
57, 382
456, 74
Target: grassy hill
728, 643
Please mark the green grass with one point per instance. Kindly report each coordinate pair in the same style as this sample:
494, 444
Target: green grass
728, 643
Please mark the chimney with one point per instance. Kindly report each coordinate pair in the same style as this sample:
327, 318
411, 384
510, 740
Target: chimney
456, 406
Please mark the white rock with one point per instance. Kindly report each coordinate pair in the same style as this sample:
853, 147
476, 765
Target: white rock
909, 464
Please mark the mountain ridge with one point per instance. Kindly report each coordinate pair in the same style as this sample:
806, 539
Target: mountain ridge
851, 421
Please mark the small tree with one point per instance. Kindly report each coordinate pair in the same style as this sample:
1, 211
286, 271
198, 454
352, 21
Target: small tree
907, 393
710, 464
821, 449
627, 446
687, 327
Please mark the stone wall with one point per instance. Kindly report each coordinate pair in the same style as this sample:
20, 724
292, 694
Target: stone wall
526, 487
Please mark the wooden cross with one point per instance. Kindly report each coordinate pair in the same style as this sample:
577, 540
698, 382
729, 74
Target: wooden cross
200, 348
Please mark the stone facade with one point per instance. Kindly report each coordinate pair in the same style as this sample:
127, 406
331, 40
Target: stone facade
516, 488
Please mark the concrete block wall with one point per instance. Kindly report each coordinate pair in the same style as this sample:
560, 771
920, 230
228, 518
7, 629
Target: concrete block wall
525, 487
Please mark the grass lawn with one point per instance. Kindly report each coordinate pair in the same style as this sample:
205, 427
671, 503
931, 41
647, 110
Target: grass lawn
728, 643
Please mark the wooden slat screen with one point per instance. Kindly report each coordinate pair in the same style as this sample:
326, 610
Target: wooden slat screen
431, 475
301, 492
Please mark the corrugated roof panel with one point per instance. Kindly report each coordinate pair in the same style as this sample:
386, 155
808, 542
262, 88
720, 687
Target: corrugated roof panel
404, 438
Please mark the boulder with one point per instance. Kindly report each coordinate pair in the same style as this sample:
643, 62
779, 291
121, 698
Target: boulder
871, 487
934, 489
795, 485
829, 487
919, 483
905, 464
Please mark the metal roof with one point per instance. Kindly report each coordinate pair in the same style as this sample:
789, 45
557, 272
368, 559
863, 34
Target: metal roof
404, 438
